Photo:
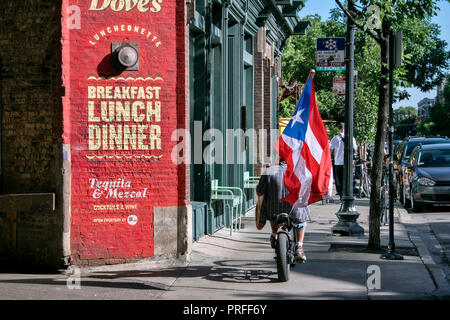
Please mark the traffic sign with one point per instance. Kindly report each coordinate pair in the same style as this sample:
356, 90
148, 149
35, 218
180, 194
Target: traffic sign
339, 85
330, 54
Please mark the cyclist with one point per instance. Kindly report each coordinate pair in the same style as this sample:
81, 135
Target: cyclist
270, 191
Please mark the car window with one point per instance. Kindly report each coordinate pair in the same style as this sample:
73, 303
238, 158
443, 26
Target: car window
408, 149
411, 145
434, 158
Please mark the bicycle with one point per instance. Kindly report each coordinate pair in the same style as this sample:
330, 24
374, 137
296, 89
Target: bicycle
285, 246
364, 179
384, 198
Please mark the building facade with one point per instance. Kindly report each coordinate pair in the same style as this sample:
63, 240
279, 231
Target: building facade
440, 91
112, 113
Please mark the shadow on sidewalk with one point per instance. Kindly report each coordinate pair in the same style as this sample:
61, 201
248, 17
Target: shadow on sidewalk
229, 271
86, 283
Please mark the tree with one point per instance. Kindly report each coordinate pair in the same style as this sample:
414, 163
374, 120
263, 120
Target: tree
298, 59
437, 122
426, 127
395, 15
404, 122
427, 58
404, 112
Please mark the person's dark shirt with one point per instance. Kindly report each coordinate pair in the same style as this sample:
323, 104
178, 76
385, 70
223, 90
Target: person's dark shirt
271, 185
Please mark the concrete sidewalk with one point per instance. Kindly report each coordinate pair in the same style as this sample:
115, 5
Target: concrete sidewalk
242, 266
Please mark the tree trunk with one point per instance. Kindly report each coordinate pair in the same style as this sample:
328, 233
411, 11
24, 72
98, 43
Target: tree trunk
378, 156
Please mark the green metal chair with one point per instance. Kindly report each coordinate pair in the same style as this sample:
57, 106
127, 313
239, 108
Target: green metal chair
236, 200
249, 183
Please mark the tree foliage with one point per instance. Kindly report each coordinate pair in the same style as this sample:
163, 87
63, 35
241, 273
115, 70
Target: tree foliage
404, 122
404, 112
437, 122
299, 58
425, 55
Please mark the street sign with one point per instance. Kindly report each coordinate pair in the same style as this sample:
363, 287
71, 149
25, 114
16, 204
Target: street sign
339, 85
330, 54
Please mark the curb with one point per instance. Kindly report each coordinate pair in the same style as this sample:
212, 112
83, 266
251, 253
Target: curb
442, 291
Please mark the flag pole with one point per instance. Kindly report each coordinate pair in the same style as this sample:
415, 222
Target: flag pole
311, 75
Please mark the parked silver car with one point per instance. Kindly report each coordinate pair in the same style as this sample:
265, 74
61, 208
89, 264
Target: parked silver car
402, 159
427, 178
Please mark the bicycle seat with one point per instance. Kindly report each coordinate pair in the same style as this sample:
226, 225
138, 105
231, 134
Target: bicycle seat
282, 218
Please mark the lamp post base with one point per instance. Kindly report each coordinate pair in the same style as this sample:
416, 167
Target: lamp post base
347, 225
350, 229
391, 254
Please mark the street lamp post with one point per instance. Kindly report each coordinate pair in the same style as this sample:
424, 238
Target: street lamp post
391, 254
347, 214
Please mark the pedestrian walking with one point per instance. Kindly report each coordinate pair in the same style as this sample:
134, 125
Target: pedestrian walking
337, 150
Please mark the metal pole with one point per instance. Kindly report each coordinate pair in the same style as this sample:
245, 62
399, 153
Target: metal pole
1, 120
348, 133
347, 214
391, 254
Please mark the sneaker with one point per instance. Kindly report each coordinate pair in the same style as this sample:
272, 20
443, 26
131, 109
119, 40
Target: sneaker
300, 255
273, 241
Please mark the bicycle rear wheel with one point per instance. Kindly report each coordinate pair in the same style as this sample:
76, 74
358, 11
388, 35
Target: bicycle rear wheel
283, 265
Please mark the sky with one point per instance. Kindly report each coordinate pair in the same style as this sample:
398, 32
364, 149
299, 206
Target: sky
323, 7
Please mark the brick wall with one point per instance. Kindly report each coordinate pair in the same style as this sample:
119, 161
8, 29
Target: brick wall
39, 119
31, 119
268, 105
258, 64
263, 95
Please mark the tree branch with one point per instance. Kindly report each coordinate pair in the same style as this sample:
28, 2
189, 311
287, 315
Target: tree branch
376, 36
357, 11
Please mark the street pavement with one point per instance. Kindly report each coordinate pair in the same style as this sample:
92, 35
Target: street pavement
242, 267
431, 229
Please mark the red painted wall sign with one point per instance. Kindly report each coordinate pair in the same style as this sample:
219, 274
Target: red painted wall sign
119, 124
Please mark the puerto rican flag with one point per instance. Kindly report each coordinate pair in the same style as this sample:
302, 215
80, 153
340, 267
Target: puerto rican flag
305, 148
